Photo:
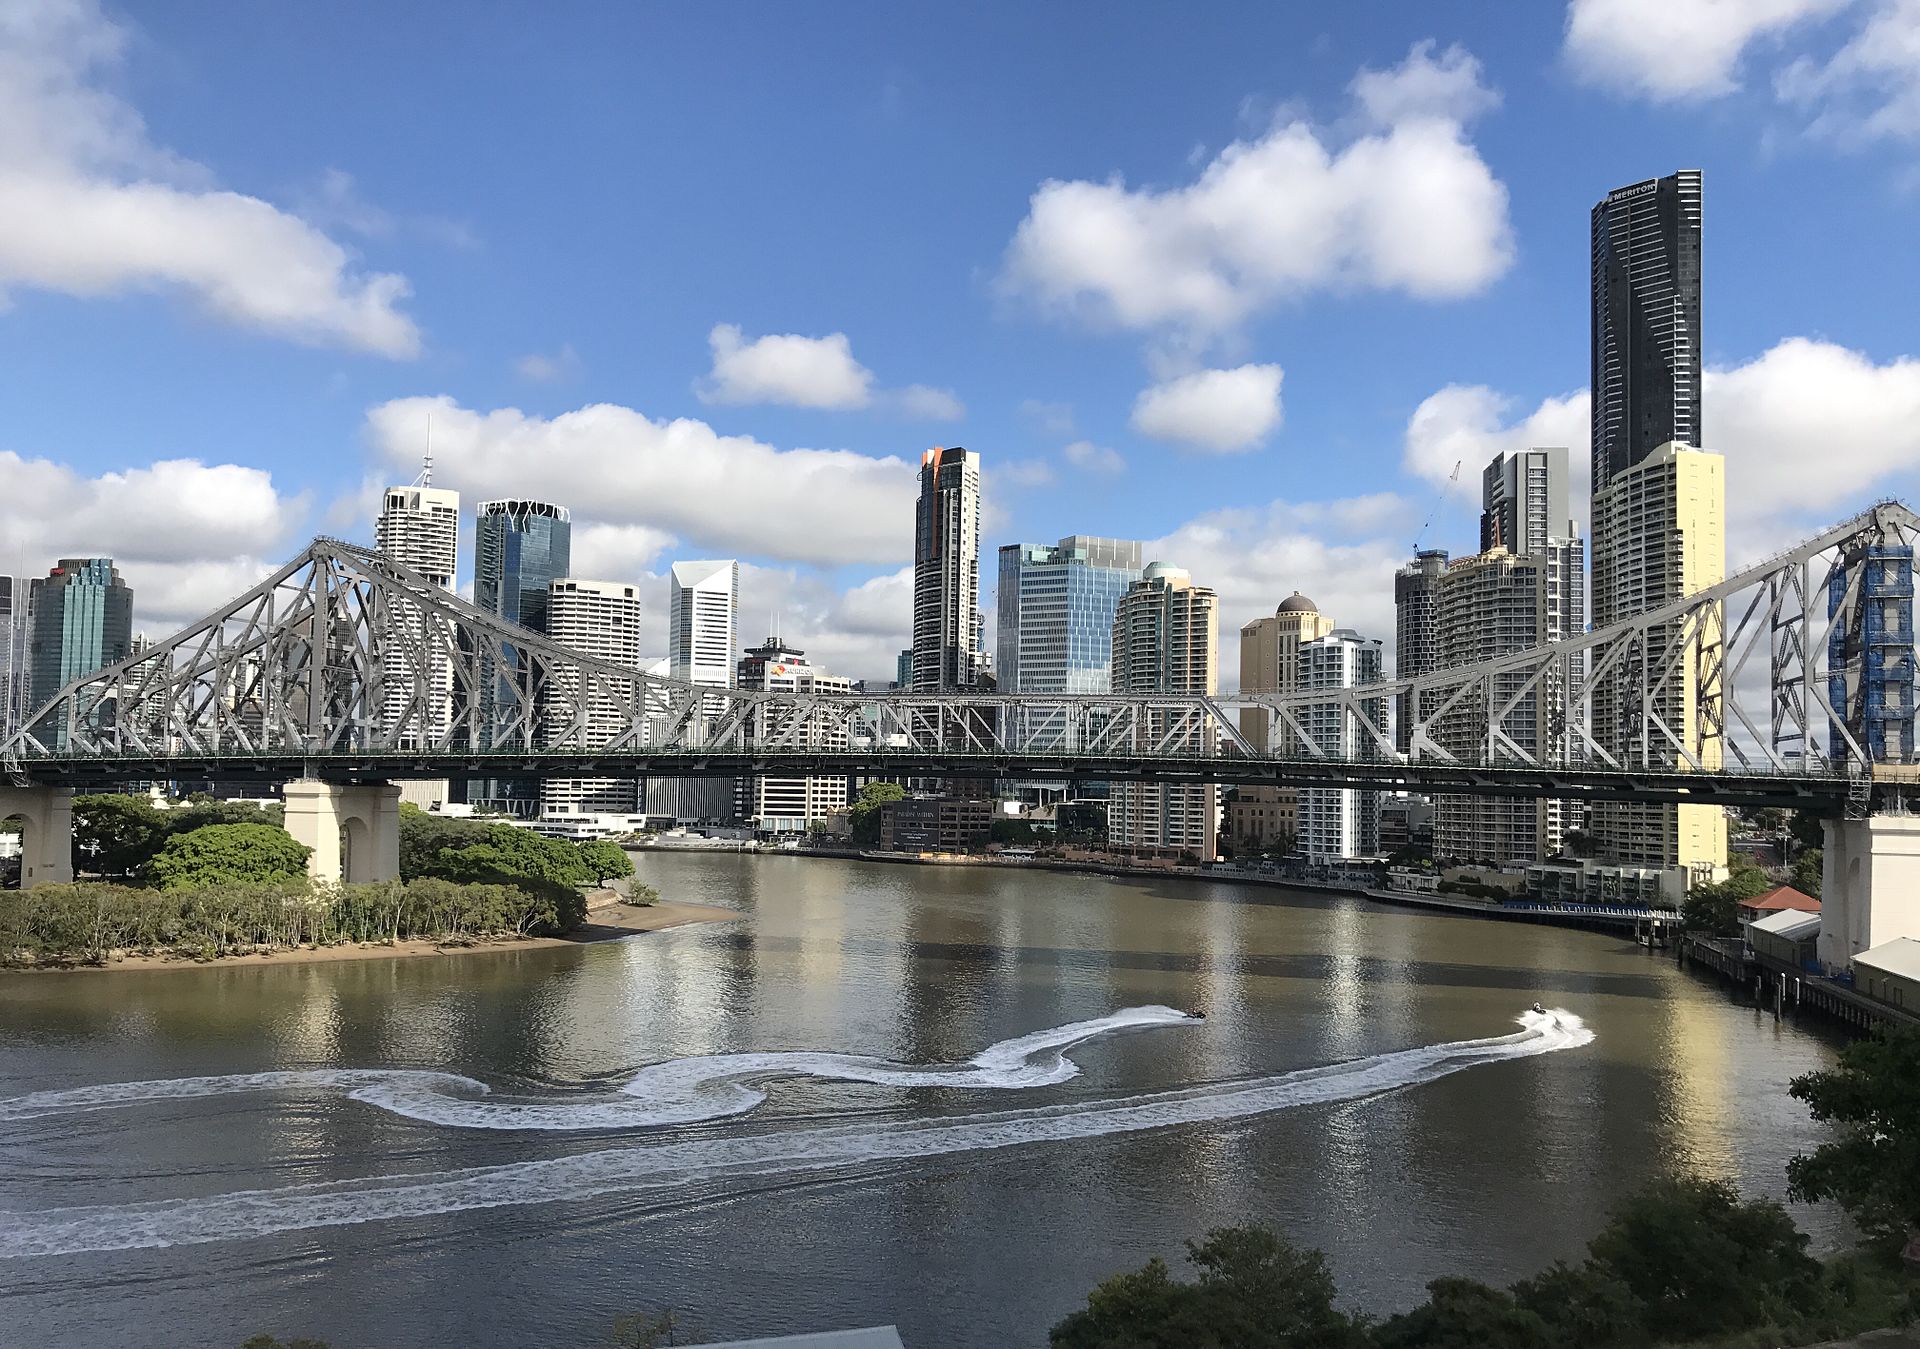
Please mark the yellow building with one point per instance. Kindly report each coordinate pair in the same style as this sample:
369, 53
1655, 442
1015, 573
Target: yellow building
1659, 536
1260, 817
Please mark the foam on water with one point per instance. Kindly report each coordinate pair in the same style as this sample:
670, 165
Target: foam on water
668, 1165
680, 1091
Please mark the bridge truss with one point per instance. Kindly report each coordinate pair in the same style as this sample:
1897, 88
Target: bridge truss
347, 665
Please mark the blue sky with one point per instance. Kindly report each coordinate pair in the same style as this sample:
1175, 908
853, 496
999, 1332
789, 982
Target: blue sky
1244, 282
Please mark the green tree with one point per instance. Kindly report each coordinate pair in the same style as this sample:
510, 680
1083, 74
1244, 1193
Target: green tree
1255, 1290
1871, 1166
605, 860
115, 834
1806, 872
1715, 908
864, 814
1464, 1314
1584, 1306
223, 854
1013, 831
1703, 1262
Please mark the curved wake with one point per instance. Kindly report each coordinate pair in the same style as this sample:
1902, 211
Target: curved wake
667, 1165
679, 1091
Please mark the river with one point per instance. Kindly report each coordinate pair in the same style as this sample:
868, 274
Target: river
972, 1210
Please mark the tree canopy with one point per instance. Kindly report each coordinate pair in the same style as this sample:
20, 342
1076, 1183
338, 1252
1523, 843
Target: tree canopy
605, 860
864, 814
1871, 1164
223, 854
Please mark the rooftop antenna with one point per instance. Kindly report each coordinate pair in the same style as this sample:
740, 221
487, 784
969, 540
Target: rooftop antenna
426, 471
1438, 497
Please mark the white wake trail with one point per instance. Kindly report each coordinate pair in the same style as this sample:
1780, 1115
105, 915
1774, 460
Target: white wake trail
670, 1165
680, 1091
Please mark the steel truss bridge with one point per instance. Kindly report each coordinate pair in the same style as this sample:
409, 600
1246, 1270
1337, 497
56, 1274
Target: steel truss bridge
347, 667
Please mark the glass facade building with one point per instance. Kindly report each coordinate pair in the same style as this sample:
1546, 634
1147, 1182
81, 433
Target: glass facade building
520, 548
1056, 613
82, 620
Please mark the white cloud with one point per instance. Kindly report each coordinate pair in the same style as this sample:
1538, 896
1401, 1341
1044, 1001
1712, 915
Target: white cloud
1056, 419
1094, 458
1811, 431
1870, 88
548, 369
1221, 411
613, 465
90, 207
185, 535
1670, 50
611, 552
1024, 473
921, 402
785, 368
1410, 206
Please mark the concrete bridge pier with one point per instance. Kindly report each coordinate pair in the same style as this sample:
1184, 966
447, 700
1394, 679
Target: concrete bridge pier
46, 827
354, 831
1869, 886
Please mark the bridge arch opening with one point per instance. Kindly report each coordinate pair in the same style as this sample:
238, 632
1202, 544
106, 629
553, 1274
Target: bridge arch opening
13, 845
356, 850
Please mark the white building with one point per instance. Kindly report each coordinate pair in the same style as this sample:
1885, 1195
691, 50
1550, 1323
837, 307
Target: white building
1344, 821
419, 527
600, 619
1166, 640
703, 605
789, 805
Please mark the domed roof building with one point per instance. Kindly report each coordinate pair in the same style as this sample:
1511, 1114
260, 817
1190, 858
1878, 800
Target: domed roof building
1296, 603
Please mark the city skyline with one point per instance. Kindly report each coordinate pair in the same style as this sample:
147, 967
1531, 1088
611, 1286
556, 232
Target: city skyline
545, 386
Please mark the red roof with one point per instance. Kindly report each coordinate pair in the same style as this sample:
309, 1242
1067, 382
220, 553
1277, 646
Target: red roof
1783, 897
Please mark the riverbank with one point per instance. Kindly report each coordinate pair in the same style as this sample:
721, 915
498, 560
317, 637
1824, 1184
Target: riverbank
607, 919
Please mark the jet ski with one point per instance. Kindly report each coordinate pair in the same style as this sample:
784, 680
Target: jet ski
1538, 1008
1196, 1014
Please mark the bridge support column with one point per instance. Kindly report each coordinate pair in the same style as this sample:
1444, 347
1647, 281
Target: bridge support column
354, 831
1869, 886
46, 833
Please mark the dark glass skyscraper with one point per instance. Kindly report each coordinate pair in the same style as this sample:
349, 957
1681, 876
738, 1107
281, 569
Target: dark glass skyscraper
1646, 321
82, 620
519, 549
947, 627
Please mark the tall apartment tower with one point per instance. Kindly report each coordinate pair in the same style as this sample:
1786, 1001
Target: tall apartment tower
947, 626
419, 527
1658, 528
520, 548
81, 620
599, 619
703, 605
1416, 631
1056, 607
1166, 640
16, 673
790, 805
1262, 817
1338, 822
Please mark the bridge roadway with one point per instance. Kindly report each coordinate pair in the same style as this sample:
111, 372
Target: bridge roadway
1817, 790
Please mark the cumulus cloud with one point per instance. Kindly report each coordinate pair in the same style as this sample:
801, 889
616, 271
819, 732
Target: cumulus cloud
922, 403
1024, 473
1056, 419
1219, 411
90, 207
720, 494
548, 369
221, 529
1870, 88
1084, 454
1811, 430
785, 368
1670, 50
1407, 206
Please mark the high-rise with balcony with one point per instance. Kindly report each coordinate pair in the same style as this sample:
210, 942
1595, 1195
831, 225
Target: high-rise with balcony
600, 619
1265, 817
703, 604
16, 674
1416, 631
947, 625
520, 548
419, 527
1165, 640
791, 805
1055, 609
1339, 822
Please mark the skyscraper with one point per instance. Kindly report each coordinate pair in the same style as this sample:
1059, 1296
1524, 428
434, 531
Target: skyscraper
419, 527
790, 805
703, 600
81, 619
1262, 817
1166, 640
16, 674
947, 626
520, 548
599, 619
1056, 606
1337, 822
1416, 631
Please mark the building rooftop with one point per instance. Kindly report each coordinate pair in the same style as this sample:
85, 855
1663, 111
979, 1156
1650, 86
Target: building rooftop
1900, 956
1789, 924
1783, 897
1296, 603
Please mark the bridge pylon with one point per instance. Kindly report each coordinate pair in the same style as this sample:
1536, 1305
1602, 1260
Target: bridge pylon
352, 830
46, 827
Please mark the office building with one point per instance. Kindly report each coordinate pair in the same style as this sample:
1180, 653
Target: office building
16, 670
600, 619
520, 548
1665, 516
903, 669
1260, 818
1416, 631
703, 604
80, 620
419, 527
791, 805
1165, 640
948, 630
1056, 607
1339, 822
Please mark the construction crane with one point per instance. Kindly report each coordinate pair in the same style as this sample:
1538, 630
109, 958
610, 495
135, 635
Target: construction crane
1452, 479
